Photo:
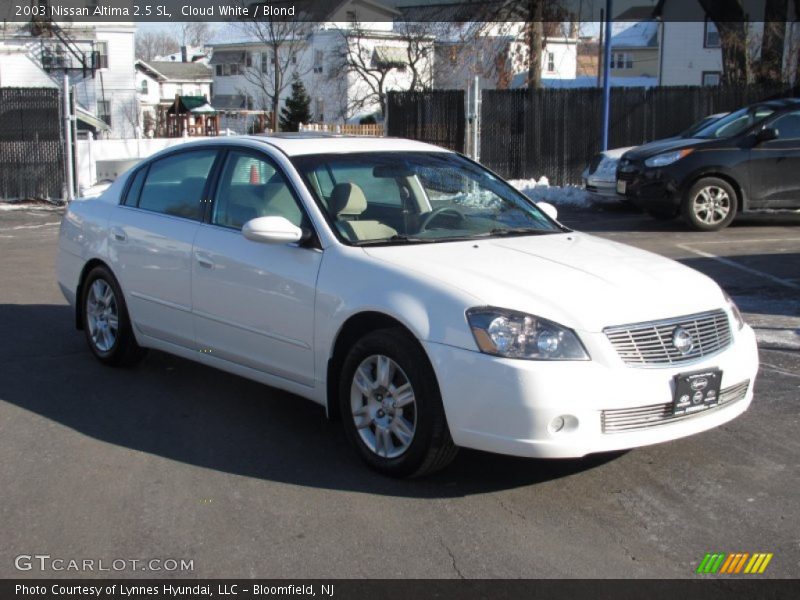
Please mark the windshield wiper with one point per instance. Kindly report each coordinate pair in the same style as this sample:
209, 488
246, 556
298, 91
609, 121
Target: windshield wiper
395, 239
517, 231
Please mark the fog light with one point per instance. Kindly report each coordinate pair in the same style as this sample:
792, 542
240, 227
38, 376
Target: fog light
557, 424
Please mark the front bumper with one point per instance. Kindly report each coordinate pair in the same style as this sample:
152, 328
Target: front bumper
508, 406
650, 189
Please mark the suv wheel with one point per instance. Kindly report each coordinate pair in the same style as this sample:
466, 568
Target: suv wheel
710, 204
391, 406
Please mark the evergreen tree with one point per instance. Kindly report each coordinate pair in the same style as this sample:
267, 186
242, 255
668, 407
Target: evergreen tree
297, 107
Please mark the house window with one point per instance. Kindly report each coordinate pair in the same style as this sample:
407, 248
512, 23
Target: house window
621, 60
710, 35
711, 77
144, 86
234, 68
551, 62
319, 55
320, 110
248, 59
248, 103
264, 59
219, 70
101, 55
104, 111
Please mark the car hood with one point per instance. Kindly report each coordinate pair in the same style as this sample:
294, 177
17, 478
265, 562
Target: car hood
665, 145
578, 280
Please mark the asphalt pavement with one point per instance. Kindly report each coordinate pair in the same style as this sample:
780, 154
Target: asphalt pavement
172, 460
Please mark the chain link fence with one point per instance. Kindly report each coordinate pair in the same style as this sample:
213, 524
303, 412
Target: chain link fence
31, 148
436, 117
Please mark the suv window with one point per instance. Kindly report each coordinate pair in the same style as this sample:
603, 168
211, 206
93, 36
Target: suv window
252, 186
174, 184
788, 125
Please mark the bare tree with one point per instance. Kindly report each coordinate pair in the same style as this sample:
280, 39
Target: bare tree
194, 33
729, 17
270, 73
371, 63
150, 44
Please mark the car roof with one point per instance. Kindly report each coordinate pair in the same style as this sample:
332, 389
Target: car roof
780, 102
309, 142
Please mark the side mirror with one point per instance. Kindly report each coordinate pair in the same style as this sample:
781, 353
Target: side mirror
767, 134
272, 230
548, 209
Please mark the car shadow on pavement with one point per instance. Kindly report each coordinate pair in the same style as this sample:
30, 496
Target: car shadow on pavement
183, 411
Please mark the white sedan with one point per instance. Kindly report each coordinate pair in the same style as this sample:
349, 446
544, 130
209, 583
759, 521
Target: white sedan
408, 290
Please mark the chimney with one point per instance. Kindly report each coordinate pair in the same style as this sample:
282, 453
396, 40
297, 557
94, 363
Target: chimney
184, 58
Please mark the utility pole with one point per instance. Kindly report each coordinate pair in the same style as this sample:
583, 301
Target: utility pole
606, 79
68, 140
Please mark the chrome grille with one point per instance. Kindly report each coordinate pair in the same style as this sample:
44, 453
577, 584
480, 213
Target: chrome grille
619, 420
650, 344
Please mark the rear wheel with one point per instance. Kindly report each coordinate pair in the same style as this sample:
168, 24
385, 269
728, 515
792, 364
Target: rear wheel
710, 204
105, 320
392, 408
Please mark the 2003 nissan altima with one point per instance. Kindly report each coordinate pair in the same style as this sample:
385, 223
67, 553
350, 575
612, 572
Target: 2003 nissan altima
408, 290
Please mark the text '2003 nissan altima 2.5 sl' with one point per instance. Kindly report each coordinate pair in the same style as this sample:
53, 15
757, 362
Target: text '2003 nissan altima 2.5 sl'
408, 290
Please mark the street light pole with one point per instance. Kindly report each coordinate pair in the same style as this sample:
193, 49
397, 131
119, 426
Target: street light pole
606, 78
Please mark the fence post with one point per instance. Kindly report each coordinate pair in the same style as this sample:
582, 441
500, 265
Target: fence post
476, 120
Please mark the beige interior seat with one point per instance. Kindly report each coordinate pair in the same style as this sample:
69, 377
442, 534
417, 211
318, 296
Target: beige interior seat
348, 203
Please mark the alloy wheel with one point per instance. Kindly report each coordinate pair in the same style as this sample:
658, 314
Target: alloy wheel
711, 205
102, 315
383, 406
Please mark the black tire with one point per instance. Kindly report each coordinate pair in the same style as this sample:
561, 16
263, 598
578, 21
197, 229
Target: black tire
693, 200
124, 351
431, 447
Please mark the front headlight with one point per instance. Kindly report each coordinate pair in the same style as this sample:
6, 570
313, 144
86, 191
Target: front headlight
662, 160
513, 334
737, 316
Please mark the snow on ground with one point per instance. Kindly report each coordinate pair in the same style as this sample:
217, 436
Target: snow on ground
540, 190
8, 205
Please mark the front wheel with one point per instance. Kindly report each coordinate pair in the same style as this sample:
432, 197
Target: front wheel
392, 408
710, 204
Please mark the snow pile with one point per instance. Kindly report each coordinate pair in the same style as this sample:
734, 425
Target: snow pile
540, 190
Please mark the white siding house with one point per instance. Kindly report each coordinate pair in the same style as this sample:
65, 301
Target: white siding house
337, 94
689, 46
107, 91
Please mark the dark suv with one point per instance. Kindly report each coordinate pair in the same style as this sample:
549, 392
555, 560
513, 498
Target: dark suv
746, 161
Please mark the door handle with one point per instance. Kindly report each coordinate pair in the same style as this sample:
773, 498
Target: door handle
118, 234
204, 261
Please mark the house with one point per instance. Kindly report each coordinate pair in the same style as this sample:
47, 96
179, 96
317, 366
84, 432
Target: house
634, 43
159, 82
501, 61
98, 60
338, 58
690, 50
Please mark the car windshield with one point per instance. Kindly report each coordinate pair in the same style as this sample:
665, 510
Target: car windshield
414, 197
735, 123
700, 125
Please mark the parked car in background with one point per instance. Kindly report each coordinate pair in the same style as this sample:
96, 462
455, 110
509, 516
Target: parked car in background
409, 291
747, 161
600, 177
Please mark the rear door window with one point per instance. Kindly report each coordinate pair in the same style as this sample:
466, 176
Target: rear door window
175, 184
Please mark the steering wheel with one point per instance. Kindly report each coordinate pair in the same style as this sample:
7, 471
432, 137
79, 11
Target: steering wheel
438, 212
